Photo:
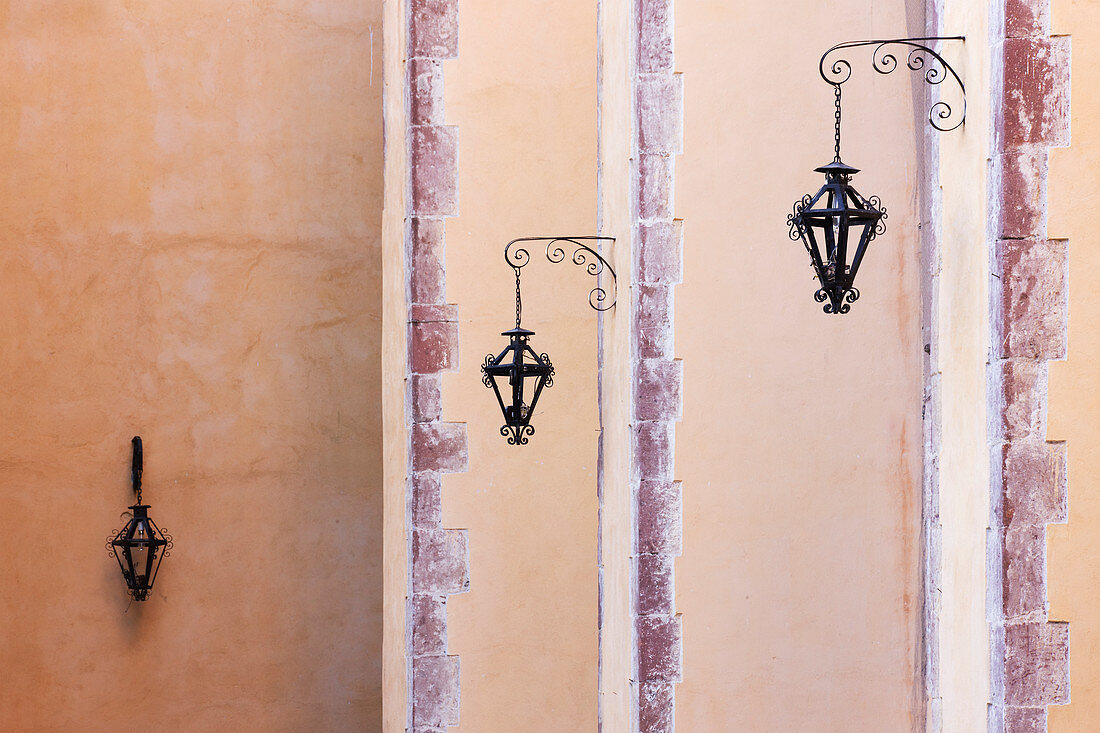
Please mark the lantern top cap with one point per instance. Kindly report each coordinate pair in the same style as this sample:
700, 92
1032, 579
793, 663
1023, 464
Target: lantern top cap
140, 510
517, 332
837, 168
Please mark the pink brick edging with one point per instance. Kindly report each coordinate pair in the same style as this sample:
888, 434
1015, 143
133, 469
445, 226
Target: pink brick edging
658, 376
1029, 329
438, 557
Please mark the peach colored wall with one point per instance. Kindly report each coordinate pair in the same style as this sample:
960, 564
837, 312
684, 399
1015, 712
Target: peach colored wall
190, 210
800, 447
1074, 198
523, 95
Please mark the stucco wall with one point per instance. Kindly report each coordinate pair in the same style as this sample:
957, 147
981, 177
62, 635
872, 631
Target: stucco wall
523, 95
800, 446
189, 213
1074, 198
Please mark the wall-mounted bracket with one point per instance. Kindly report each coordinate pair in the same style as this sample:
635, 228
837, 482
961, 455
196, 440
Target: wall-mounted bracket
517, 257
919, 58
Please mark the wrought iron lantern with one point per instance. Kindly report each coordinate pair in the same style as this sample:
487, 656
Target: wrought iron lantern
519, 374
837, 224
140, 545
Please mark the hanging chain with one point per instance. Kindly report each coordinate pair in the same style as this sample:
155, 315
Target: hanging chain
136, 467
836, 145
519, 302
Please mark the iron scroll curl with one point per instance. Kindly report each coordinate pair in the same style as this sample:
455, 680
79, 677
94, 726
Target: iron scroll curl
942, 116
517, 256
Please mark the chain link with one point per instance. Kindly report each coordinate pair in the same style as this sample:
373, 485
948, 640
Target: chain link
836, 145
519, 302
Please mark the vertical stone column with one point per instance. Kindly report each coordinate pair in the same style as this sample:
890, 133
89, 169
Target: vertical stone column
438, 557
658, 256
1029, 328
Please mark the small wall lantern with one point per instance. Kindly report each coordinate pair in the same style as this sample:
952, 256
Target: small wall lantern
140, 545
827, 221
518, 374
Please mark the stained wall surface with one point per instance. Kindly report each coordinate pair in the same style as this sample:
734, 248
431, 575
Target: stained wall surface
1074, 548
189, 213
800, 447
523, 95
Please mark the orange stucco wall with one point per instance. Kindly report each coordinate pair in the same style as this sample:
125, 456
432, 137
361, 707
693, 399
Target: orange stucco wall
523, 95
1074, 198
190, 208
800, 447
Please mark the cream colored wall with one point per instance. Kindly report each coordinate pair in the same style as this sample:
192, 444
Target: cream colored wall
1074, 198
190, 210
523, 94
800, 449
960, 357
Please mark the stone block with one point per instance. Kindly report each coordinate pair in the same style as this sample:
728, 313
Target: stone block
439, 561
660, 517
439, 446
434, 164
433, 28
435, 691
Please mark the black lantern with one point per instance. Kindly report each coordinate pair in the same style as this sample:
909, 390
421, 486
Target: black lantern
509, 374
518, 374
836, 224
140, 545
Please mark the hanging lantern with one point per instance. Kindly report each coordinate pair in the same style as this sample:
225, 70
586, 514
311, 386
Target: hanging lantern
509, 375
518, 374
835, 225
140, 545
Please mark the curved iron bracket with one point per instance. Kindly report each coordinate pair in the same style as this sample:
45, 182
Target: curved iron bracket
583, 255
920, 58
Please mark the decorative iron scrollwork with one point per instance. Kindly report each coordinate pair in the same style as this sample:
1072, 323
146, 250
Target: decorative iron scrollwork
920, 58
584, 256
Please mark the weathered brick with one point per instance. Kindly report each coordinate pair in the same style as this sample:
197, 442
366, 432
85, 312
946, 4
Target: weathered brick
656, 707
654, 35
429, 616
659, 386
1027, 18
1036, 94
434, 170
439, 561
439, 446
425, 92
1036, 664
656, 587
660, 252
426, 276
659, 517
1033, 307
653, 321
435, 691
1023, 387
427, 507
424, 390
655, 187
433, 347
1024, 575
1024, 192
1034, 476
660, 113
653, 450
1025, 720
659, 648
434, 28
